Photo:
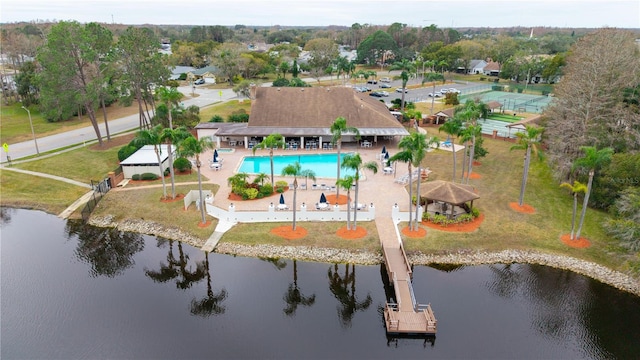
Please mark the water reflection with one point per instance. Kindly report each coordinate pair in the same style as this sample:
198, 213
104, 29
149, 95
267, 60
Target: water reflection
210, 304
293, 297
108, 251
344, 289
185, 276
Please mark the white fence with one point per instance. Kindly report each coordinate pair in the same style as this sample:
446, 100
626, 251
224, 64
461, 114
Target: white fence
270, 214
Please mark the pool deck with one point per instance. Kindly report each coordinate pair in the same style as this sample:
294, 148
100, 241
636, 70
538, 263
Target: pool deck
377, 188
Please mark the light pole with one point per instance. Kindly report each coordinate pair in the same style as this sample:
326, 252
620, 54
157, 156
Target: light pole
32, 131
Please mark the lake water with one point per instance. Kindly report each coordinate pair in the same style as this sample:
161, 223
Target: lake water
71, 291
324, 165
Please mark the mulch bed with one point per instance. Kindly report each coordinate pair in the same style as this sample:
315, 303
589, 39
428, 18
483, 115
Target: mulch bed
580, 243
335, 200
474, 175
168, 199
421, 232
525, 208
358, 233
236, 197
204, 225
287, 232
462, 227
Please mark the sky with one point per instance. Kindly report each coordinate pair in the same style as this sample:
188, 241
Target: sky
416, 13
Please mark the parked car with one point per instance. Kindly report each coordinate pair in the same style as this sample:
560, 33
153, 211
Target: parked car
359, 89
384, 86
454, 90
384, 93
443, 91
385, 80
372, 81
199, 81
399, 90
376, 94
435, 94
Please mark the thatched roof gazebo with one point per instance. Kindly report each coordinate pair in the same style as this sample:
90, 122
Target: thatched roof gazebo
450, 193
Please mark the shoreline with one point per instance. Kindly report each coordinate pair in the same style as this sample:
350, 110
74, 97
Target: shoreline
592, 270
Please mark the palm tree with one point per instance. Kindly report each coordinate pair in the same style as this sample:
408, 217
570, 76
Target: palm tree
339, 128
170, 137
296, 170
407, 67
170, 96
346, 183
452, 128
466, 134
576, 188
406, 156
270, 142
153, 137
419, 146
190, 147
469, 113
593, 160
260, 178
354, 162
529, 141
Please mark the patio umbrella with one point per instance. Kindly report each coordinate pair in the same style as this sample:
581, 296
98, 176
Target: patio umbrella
282, 199
384, 149
215, 155
323, 199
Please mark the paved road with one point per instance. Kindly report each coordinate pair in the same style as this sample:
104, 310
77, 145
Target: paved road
87, 134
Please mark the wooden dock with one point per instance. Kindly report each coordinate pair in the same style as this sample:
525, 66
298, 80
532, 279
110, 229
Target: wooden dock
405, 316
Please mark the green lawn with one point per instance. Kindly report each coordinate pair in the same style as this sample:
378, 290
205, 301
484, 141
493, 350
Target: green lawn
224, 109
15, 127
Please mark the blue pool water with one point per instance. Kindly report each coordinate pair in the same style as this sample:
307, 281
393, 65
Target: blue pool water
324, 165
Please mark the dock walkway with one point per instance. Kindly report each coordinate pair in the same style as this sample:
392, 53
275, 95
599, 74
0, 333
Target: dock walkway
406, 315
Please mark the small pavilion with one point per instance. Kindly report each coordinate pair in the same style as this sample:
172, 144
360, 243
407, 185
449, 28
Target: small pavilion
448, 198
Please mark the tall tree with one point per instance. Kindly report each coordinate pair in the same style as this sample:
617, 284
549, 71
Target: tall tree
452, 127
273, 141
373, 48
172, 137
322, 52
355, 163
192, 147
227, 59
592, 160
338, 129
346, 183
528, 141
70, 68
418, 145
153, 137
142, 68
575, 188
296, 170
407, 68
170, 96
589, 107
469, 113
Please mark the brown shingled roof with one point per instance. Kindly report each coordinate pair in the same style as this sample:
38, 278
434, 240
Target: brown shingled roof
318, 107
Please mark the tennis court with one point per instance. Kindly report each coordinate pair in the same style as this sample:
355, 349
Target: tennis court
515, 102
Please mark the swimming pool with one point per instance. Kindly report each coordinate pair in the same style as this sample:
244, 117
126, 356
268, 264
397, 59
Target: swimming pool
324, 165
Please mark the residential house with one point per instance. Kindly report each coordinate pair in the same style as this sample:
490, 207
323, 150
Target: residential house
491, 69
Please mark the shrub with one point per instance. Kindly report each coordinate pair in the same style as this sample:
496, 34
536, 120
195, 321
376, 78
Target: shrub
216, 119
183, 76
149, 176
280, 82
239, 117
266, 190
250, 193
126, 151
182, 164
482, 78
167, 172
135, 177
